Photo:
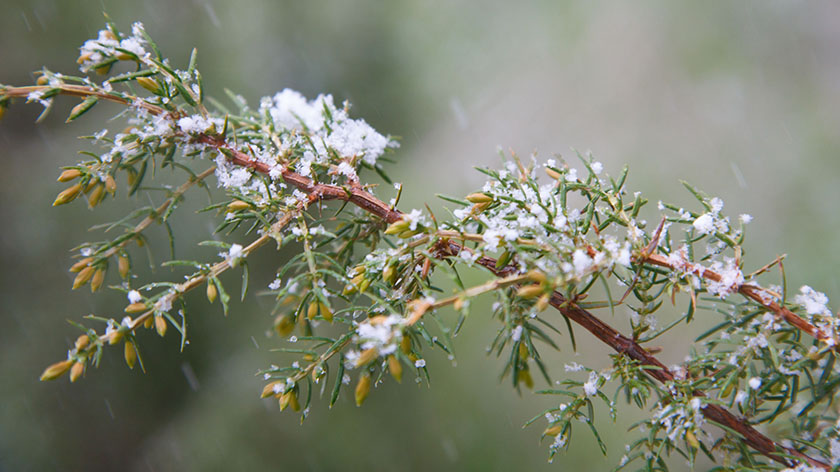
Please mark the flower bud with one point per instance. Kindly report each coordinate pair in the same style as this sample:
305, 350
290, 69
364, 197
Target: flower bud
130, 354
326, 313
504, 259
148, 322
268, 390
82, 342
405, 345
238, 205
212, 291
56, 370
68, 195
81, 264
389, 274
364, 285
395, 368
76, 371
479, 198
289, 399
123, 266
103, 69
525, 378
138, 307
83, 276
312, 311
110, 185
84, 58
537, 276
530, 291
553, 430
97, 280
96, 195
397, 227
160, 325
553, 174
149, 84
69, 174
691, 439
284, 325
42, 80
367, 356
362, 388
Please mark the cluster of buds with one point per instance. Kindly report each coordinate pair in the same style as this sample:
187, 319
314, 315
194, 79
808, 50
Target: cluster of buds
89, 184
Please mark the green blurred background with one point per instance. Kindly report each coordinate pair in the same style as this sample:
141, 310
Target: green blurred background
740, 98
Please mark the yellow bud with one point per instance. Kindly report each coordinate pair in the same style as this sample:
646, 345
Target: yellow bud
553, 431
83, 276
289, 399
138, 307
81, 264
97, 195
56, 370
130, 354
525, 377
84, 57
366, 356
102, 70
542, 302
408, 233
110, 185
238, 205
67, 195
553, 174
211, 292
284, 325
364, 285
691, 439
312, 311
357, 280
82, 342
523, 351
537, 276
397, 227
42, 80
362, 388
125, 57
504, 259
349, 289
389, 274
530, 291
395, 368
268, 390
405, 345
116, 337
326, 313
479, 198
97, 280
148, 322
160, 325
2, 110
123, 266
76, 371
110, 35
149, 84
69, 174
132, 175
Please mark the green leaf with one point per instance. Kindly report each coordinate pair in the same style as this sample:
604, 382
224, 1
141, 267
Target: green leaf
82, 108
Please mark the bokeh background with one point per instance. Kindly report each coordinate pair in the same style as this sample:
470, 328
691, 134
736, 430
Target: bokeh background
740, 98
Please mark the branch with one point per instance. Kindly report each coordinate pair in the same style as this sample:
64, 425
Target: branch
355, 193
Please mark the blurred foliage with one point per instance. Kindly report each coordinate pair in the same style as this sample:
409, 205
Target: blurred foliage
740, 98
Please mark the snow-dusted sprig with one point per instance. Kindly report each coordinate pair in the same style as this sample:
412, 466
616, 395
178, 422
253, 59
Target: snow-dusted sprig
360, 292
